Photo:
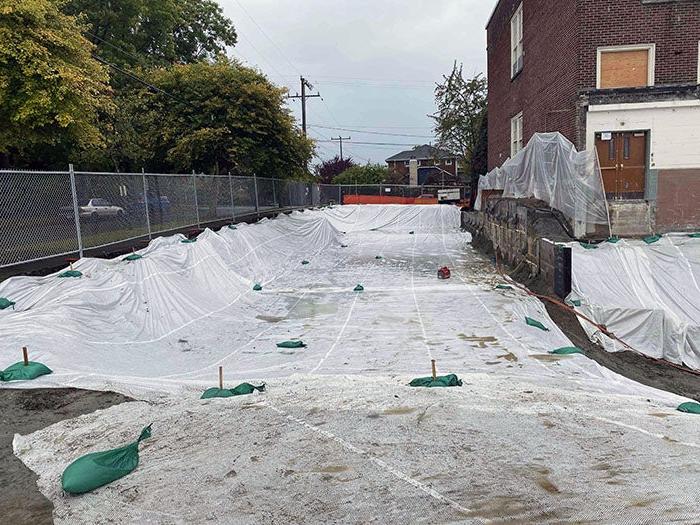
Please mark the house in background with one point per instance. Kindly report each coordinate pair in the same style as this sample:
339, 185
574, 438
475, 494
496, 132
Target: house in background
620, 76
434, 165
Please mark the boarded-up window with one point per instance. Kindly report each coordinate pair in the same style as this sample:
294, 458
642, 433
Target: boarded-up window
625, 68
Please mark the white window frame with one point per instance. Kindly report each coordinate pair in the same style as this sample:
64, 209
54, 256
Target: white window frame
448, 162
517, 52
651, 57
699, 62
406, 163
516, 134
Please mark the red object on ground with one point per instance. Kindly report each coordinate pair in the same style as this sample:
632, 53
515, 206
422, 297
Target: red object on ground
444, 273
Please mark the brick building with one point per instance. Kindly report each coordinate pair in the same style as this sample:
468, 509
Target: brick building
434, 165
621, 76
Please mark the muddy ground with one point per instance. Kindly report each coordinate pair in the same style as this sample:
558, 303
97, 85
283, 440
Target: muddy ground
23, 412
644, 370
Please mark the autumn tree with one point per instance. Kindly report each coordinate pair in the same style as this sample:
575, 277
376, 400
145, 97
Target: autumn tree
326, 170
51, 90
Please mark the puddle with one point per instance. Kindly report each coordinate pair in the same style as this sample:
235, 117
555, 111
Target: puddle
399, 411
481, 341
549, 358
309, 308
333, 469
508, 356
660, 414
270, 318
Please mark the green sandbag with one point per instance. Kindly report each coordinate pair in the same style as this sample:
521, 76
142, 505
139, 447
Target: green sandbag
567, 350
536, 324
358, 288
503, 287
133, 257
588, 245
241, 390
439, 381
6, 303
378, 257
614, 239
232, 227
20, 372
257, 287
689, 407
70, 273
343, 245
651, 239
305, 262
411, 232
694, 235
575, 302
291, 344
188, 241
94, 470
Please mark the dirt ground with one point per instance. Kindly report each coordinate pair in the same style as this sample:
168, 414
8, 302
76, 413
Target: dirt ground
633, 366
25, 411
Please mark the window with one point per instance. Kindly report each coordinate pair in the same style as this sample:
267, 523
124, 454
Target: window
516, 134
406, 162
516, 42
626, 66
448, 162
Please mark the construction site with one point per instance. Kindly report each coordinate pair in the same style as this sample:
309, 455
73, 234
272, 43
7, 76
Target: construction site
333, 323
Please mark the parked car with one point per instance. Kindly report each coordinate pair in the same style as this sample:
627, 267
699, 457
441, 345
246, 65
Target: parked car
98, 208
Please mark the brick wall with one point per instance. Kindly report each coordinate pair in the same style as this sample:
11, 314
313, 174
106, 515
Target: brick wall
673, 26
561, 38
545, 90
677, 200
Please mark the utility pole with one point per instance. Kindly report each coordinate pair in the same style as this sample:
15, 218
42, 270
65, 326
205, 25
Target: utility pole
340, 139
304, 84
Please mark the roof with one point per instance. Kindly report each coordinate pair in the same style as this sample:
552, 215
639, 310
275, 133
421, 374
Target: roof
423, 152
498, 2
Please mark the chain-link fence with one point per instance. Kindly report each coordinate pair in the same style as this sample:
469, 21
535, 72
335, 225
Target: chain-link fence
50, 214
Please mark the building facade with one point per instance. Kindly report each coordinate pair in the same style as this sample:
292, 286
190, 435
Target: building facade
434, 165
620, 76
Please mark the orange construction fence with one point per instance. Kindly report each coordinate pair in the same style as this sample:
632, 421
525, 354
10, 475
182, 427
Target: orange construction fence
387, 199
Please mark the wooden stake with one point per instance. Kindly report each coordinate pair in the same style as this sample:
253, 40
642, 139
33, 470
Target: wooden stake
71, 266
25, 354
221, 378
432, 362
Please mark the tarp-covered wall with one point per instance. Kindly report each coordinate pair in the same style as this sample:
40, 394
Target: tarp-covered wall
550, 169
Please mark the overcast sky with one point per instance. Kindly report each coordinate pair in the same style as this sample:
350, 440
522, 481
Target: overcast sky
375, 62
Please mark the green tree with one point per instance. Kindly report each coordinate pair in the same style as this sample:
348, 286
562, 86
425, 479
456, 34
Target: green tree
367, 174
155, 32
51, 90
219, 117
461, 106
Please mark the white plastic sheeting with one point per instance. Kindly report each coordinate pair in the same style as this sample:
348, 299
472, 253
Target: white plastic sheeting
550, 169
648, 295
338, 436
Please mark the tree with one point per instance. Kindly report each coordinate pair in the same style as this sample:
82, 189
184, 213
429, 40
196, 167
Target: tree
328, 169
155, 32
219, 117
51, 90
367, 174
461, 106
479, 161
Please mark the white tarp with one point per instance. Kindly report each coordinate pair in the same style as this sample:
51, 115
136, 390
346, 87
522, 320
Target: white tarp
550, 169
338, 436
648, 295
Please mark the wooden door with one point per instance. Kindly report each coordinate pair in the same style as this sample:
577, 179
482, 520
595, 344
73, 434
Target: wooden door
622, 156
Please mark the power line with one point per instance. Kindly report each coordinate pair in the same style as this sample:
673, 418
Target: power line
374, 132
382, 144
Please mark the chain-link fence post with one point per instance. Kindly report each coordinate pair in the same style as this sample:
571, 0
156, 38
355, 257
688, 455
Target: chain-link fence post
196, 202
255, 186
145, 202
76, 210
230, 189
274, 194
340, 194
